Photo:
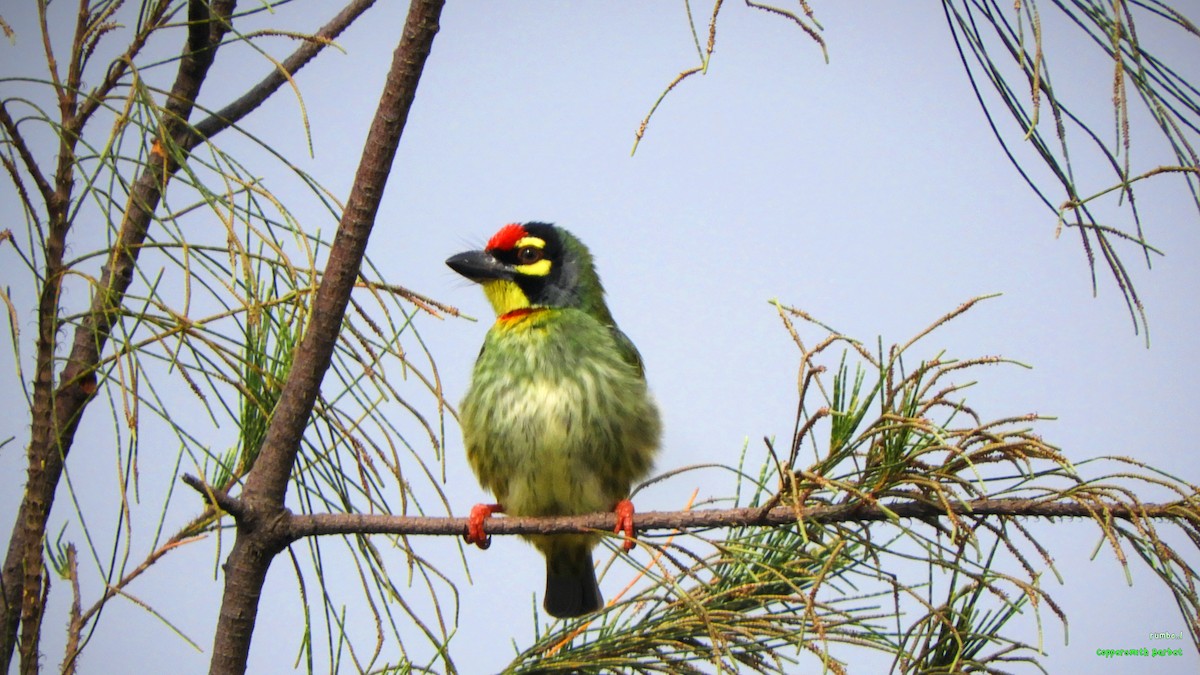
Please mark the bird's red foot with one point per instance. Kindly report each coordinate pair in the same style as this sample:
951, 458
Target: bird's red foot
479, 513
624, 511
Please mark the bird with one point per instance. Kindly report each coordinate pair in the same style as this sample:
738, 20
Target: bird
558, 419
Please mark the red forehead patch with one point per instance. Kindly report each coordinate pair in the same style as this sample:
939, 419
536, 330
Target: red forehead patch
507, 237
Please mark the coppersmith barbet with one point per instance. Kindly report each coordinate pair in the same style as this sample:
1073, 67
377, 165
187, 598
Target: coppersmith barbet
558, 419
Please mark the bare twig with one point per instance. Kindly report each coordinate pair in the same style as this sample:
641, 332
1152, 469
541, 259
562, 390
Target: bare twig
75, 624
216, 497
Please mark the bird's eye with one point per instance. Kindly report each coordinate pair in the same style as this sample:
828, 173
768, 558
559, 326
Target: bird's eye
527, 255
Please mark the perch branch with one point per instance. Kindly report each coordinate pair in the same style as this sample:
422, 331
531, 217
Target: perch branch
300, 526
326, 524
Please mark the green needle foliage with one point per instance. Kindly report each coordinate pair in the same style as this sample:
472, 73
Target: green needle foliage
934, 594
198, 345
1007, 50
1002, 48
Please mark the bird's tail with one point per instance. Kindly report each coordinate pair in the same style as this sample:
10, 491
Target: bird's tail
571, 587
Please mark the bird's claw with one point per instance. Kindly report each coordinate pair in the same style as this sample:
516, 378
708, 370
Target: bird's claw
479, 513
624, 511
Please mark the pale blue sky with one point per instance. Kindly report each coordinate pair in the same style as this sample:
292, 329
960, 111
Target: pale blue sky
868, 192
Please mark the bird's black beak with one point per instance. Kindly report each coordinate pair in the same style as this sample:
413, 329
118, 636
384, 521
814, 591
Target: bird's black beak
479, 266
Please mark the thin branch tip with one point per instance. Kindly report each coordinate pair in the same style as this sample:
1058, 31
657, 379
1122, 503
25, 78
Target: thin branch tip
214, 497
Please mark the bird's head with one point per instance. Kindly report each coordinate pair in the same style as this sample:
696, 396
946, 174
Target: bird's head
534, 265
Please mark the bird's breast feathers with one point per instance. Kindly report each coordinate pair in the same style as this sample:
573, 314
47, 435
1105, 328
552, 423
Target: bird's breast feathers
555, 420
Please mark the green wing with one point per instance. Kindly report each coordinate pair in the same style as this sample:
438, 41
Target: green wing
629, 353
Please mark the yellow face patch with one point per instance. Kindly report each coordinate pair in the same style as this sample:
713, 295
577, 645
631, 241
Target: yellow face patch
528, 252
536, 242
505, 296
541, 266
538, 269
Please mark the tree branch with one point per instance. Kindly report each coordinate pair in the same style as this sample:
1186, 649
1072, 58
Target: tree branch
340, 524
325, 524
216, 497
27, 159
262, 531
269, 477
231, 113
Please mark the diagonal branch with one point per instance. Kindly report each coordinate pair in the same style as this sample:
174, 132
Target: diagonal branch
261, 534
230, 114
15, 138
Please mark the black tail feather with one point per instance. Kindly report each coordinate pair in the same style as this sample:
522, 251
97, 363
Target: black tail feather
571, 586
